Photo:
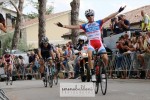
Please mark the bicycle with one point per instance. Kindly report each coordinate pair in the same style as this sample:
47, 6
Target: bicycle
8, 76
49, 74
101, 76
2, 95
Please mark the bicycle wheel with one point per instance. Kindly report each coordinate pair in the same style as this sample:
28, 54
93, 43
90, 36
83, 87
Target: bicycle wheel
56, 80
103, 79
97, 72
7, 79
51, 81
45, 80
10, 82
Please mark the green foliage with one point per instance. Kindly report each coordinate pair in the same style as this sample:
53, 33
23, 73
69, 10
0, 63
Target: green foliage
7, 42
35, 4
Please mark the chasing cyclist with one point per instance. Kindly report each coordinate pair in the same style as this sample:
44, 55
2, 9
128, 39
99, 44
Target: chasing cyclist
8, 62
45, 52
93, 32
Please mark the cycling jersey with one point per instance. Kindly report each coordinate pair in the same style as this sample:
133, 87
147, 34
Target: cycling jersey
93, 32
45, 51
8, 58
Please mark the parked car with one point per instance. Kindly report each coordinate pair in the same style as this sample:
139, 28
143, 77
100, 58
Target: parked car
21, 53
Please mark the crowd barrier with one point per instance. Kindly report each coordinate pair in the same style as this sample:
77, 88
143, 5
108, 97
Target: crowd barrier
127, 66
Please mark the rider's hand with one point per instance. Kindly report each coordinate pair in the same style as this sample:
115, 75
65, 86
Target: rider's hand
121, 9
59, 24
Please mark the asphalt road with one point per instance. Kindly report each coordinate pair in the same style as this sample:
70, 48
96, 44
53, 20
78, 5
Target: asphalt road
126, 89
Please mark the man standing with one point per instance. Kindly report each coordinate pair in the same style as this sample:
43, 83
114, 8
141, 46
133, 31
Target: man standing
145, 21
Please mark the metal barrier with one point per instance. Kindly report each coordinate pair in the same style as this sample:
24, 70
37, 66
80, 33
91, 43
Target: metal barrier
126, 65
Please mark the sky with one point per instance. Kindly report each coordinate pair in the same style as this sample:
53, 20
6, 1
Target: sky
102, 8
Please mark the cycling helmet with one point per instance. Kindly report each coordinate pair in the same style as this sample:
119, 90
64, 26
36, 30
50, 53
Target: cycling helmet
89, 12
44, 40
82, 38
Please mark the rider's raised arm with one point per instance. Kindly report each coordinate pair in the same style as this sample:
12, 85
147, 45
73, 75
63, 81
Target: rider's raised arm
113, 14
68, 26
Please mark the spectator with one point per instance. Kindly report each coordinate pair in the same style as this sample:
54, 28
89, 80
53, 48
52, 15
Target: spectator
124, 24
2, 23
115, 26
145, 50
31, 60
145, 22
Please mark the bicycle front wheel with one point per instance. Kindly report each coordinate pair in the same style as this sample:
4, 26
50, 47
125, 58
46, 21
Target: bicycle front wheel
103, 80
50, 81
45, 80
56, 80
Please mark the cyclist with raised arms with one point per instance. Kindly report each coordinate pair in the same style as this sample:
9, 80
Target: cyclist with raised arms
93, 32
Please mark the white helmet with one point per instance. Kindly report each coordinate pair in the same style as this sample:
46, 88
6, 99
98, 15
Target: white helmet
89, 12
82, 37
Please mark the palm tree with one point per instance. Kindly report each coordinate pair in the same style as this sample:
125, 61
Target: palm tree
42, 11
75, 5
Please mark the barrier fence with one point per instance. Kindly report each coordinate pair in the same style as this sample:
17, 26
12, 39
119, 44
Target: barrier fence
127, 65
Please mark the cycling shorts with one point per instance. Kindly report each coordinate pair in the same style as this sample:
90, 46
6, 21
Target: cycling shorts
96, 44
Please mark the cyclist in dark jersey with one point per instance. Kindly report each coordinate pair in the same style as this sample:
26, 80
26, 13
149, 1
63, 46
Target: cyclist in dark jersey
45, 52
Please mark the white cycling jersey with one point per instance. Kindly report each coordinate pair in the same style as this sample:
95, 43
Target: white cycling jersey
93, 30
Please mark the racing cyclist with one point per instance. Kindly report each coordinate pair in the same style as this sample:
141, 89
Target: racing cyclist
8, 62
45, 52
93, 32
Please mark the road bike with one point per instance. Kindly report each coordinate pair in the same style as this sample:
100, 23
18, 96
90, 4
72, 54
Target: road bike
8, 78
100, 70
50, 75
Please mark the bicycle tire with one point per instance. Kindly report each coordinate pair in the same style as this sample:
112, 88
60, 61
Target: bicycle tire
103, 78
45, 80
7, 80
51, 81
56, 80
97, 70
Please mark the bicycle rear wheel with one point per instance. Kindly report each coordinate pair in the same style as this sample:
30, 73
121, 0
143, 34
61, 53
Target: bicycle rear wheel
103, 78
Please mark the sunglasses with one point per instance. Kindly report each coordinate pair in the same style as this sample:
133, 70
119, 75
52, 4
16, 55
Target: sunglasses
89, 15
45, 43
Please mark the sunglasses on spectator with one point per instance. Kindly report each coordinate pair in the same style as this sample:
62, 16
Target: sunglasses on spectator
89, 15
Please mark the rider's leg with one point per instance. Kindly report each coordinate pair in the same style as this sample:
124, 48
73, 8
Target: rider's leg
41, 69
105, 59
91, 65
10, 68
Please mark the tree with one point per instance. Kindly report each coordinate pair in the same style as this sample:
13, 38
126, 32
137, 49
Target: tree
41, 10
35, 4
75, 4
19, 10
